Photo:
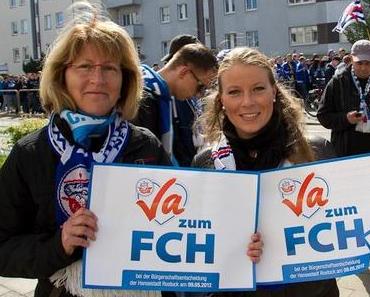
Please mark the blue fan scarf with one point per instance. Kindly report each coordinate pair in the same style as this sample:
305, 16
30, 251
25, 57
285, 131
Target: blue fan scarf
155, 84
75, 162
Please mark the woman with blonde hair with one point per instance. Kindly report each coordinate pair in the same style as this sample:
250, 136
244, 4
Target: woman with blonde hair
253, 123
91, 84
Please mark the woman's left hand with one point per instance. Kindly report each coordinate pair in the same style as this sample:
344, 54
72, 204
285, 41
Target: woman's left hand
79, 230
255, 248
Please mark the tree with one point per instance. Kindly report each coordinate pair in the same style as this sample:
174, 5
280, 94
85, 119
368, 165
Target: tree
33, 65
357, 30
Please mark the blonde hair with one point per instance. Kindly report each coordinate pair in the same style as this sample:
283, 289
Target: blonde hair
286, 105
109, 38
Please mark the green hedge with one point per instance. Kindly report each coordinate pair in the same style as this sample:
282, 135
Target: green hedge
25, 127
2, 159
20, 130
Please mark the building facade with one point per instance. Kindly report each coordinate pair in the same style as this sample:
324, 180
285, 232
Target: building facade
275, 27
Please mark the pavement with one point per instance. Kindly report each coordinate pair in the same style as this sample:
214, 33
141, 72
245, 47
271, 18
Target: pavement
349, 286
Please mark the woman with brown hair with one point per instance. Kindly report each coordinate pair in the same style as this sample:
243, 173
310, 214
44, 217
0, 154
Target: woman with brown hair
253, 123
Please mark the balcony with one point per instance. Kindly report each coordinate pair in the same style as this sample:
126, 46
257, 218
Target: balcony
118, 3
135, 31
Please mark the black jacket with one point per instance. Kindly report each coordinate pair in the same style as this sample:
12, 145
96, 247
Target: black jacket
30, 240
149, 117
340, 97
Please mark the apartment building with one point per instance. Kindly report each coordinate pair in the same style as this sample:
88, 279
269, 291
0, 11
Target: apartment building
275, 27
27, 28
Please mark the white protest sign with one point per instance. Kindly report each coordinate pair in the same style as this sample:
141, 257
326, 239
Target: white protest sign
314, 221
168, 229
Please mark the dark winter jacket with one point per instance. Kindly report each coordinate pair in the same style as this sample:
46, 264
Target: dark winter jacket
30, 240
340, 97
148, 117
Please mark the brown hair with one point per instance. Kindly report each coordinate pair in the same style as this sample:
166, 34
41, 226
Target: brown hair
286, 105
197, 55
110, 39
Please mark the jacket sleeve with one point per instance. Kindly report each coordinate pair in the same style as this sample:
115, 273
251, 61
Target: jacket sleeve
25, 250
330, 114
203, 159
148, 113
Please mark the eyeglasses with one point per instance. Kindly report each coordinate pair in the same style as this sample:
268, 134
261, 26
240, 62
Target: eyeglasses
201, 86
87, 69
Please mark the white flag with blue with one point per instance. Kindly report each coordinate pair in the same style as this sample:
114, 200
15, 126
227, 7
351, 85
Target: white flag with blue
353, 13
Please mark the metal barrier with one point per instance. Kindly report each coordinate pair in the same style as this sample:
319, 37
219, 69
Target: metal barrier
18, 96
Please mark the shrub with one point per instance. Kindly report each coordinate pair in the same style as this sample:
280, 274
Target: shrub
2, 159
25, 127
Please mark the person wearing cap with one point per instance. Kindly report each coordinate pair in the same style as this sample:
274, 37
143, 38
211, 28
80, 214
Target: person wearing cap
344, 106
188, 73
178, 42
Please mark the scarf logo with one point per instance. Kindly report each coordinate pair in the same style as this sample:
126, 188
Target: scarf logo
304, 198
160, 203
72, 190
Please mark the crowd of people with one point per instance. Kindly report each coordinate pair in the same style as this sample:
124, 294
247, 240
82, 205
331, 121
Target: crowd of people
27, 86
107, 107
303, 74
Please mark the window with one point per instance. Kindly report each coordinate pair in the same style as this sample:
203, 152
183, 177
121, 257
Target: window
229, 6
47, 22
230, 40
293, 2
164, 14
164, 46
24, 27
252, 39
182, 11
22, 2
303, 35
25, 53
12, 3
14, 28
207, 25
250, 4
127, 19
59, 19
16, 55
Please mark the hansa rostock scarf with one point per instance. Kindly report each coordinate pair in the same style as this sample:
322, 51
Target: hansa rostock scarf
72, 180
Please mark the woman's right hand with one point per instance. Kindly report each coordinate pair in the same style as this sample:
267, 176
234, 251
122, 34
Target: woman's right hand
254, 251
78, 230
354, 117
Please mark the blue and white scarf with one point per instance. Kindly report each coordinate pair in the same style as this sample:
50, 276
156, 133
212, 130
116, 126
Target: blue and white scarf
364, 125
74, 167
223, 157
84, 127
155, 84
72, 180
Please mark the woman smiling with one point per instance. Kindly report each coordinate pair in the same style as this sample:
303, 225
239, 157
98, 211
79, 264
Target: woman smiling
90, 86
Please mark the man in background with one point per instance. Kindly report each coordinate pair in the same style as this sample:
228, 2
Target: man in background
344, 107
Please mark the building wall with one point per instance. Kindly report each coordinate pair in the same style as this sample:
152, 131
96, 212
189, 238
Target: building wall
9, 14
272, 19
16, 41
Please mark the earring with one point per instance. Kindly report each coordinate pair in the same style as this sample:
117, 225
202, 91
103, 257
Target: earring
274, 100
223, 108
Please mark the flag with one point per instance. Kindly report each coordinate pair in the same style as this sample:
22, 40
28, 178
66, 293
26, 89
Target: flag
352, 14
